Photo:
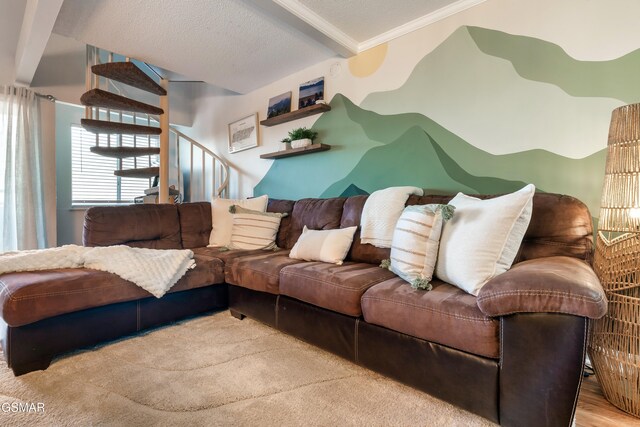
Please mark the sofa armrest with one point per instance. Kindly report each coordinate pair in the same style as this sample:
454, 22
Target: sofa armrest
556, 284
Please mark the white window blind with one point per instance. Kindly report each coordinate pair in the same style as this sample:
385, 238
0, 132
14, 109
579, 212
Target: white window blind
92, 178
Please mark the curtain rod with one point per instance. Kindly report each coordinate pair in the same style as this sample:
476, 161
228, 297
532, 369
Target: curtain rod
39, 95
47, 97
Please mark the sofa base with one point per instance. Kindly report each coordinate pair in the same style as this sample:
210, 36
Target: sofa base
463, 379
260, 306
323, 328
441, 371
32, 347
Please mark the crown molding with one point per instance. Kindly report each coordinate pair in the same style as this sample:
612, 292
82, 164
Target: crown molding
418, 23
313, 25
314, 20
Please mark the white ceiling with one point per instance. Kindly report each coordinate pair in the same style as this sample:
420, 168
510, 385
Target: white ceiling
237, 45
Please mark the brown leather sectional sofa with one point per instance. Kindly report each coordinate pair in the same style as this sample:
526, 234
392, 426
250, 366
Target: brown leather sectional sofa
513, 355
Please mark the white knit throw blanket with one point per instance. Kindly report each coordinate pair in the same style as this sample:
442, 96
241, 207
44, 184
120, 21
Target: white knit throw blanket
155, 271
381, 212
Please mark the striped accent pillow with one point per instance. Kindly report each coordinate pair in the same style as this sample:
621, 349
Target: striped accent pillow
414, 247
253, 229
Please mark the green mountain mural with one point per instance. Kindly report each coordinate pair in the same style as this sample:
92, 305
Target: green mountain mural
410, 151
485, 101
425, 133
538, 60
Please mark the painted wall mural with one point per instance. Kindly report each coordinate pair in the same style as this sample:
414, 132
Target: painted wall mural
484, 112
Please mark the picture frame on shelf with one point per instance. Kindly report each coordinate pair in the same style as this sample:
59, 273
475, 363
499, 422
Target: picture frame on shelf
243, 133
279, 105
311, 92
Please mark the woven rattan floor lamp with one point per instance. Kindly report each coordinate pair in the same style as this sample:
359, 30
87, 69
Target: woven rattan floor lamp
615, 341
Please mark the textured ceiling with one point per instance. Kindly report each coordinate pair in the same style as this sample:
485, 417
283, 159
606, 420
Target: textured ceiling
223, 42
11, 15
364, 19
238, 45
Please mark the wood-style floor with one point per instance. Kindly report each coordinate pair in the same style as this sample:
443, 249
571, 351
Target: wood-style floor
595, 411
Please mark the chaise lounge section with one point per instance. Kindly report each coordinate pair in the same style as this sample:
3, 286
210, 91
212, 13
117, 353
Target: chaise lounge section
514, 354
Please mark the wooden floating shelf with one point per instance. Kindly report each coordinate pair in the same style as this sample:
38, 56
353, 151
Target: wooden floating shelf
313, 148
297, 114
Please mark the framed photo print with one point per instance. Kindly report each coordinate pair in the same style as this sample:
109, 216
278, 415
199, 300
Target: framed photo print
278, 105
243, 133
311, 92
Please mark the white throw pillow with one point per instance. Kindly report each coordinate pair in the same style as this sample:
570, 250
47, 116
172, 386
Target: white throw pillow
323, 245
254, 229
483, 238
414, 248
222, 221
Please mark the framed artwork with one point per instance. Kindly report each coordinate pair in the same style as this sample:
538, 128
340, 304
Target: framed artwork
243, 133
311, 92
278, 105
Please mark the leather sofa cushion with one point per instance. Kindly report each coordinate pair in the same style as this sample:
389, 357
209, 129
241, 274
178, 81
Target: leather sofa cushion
316, 214
226, 256
560, 226
195, 224
446, 315
334, 287
27, 297
282, 206
144, 226
258, 272
360, 252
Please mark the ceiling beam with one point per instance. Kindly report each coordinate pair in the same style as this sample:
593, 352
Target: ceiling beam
303, 19
37, 24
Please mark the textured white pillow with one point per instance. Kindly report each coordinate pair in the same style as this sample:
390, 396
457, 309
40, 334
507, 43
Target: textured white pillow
414, 248
222, 221
323, 245
254, 229
483, 238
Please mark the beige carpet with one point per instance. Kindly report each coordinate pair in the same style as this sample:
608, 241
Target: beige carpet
217, 370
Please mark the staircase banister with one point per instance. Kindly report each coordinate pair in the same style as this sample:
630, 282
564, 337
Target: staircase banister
204, 149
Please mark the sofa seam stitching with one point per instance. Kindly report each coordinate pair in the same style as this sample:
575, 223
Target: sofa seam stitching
430, 309
60, 293
539, 293
335, 285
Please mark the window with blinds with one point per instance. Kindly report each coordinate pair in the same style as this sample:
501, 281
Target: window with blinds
92, 178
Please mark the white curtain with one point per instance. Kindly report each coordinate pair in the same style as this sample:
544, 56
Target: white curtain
23, 215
